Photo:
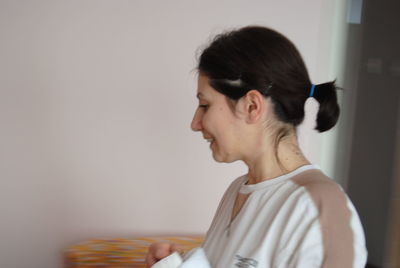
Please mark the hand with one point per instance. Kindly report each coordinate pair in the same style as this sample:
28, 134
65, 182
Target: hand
158, 251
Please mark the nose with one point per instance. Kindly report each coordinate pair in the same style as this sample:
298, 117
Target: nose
196, 124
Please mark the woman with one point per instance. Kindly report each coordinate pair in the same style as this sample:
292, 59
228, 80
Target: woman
252, 87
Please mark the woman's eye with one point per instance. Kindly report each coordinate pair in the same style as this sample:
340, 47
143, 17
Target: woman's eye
203, 106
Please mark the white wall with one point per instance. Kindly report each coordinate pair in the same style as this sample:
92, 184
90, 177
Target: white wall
96, 99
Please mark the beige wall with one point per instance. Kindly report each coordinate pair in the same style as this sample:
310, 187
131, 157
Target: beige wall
96, 99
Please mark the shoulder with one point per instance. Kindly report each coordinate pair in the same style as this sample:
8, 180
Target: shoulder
326, 196
324, 192
341, 231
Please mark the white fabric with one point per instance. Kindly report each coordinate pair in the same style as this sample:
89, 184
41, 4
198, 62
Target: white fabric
196, 259
172, 261
277, 227
359, 239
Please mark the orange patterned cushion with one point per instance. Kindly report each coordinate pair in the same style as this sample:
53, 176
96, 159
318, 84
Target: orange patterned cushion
118, 253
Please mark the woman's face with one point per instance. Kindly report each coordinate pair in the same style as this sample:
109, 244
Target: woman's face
217, 122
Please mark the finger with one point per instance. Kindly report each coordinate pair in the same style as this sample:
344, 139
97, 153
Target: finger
160, 250
150, 256
176, 248
150, 260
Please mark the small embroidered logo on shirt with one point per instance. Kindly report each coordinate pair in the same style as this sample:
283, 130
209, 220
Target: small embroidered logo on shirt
245, 262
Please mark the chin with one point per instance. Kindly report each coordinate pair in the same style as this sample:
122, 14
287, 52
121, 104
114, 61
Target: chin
223, 159
218, 158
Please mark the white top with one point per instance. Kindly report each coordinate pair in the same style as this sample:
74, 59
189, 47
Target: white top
301, 219
194, 259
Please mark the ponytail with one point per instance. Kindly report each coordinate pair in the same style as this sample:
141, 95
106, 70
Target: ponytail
328, 113
260, 58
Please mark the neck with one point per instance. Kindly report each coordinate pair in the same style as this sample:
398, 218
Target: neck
270, 163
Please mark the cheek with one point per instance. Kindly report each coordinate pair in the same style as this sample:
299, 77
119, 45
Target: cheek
219, 122
210, 120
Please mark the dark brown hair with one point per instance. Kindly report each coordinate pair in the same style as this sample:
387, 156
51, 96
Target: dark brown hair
260, 58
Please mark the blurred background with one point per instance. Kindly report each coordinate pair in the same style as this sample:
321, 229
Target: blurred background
96, 99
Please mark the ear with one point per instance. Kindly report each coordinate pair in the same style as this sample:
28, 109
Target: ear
254, 106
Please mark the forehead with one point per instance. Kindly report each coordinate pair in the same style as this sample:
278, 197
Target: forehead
204, 90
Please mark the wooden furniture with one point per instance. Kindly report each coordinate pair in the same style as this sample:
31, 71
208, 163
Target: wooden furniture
121, 252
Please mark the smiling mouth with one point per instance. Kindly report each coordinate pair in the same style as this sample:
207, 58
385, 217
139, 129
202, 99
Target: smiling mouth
210, 141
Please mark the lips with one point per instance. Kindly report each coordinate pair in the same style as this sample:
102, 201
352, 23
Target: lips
209, 139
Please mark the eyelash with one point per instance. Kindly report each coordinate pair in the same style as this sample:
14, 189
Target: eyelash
203, 106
